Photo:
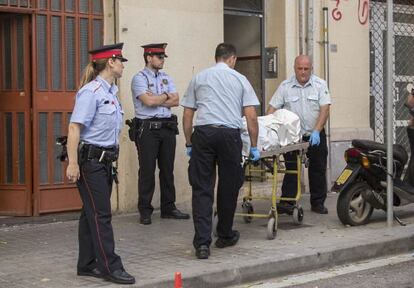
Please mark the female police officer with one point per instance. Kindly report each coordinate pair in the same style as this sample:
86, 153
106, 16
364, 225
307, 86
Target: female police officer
92, 147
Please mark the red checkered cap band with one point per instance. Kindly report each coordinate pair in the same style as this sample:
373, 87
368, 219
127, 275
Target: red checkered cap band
154, 50
107, 54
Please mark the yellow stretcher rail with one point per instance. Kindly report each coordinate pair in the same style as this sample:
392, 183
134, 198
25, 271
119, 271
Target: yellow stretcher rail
270, 160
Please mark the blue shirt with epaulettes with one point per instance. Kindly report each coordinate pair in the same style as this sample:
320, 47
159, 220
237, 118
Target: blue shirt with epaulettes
145, 81
99, 110
303, 100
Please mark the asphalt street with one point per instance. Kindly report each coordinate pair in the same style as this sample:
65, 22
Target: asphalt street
394, 271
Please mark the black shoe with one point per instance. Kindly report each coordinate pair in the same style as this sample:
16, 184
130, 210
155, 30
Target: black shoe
320, 209
202, 252
226, 242
145, 220
175, 214
120, 276
93, 273
285, 207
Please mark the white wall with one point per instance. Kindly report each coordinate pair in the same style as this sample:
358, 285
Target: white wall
192, 30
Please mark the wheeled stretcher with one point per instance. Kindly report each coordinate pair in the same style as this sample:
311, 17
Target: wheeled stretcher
270, 168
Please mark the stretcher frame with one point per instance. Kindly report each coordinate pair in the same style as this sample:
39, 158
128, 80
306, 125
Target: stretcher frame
273, 157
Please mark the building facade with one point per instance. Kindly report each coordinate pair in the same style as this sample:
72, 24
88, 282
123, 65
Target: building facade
44, 45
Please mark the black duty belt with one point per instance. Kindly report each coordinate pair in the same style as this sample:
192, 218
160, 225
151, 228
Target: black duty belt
102, 154
158, 123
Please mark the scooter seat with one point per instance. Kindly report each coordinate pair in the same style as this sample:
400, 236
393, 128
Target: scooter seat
398, 150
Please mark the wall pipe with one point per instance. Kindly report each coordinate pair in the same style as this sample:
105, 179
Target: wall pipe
301, 27
309, 31
326, 75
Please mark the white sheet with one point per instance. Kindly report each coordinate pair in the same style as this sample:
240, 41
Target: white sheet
278, 129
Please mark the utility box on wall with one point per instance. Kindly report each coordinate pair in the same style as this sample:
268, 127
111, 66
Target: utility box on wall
271, 59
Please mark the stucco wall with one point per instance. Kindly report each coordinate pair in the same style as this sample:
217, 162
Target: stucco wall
349, 67
192, 30
275, 30
349, 79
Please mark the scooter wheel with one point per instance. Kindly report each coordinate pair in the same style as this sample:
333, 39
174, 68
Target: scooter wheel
351, 207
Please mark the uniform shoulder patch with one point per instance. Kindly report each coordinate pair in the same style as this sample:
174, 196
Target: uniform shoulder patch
92, 86
97, 87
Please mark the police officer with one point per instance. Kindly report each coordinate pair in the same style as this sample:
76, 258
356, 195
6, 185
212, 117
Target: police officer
306, 95
93, 141
153, 95
220, 95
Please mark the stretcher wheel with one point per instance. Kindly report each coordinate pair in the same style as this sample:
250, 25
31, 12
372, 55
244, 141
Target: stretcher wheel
215, 221
247, 209
271, 228
298, 215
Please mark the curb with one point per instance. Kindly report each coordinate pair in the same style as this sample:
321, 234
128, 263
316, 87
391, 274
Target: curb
282, 267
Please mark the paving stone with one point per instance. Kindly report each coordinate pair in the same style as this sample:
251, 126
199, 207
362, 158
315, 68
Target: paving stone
45, 255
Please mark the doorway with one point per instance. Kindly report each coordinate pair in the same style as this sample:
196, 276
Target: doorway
43, 50
15, 109
244, 28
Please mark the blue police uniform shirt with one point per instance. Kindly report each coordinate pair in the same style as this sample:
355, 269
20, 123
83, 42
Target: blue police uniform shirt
305, 101
98, 109
156, 83
219, 94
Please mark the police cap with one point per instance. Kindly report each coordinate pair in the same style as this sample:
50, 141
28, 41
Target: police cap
157, 49
108, 51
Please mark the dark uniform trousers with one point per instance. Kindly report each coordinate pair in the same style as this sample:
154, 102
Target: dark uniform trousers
152, 145
96, 238
211, 145
317, 172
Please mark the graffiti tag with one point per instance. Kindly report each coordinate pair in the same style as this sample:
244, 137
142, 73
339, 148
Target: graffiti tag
363, 11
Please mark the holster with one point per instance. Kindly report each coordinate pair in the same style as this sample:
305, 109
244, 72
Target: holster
104, 155
133, 128
173, 124
62, 141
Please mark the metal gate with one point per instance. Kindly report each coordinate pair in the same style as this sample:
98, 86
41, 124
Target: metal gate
15, 101
43, 49
403, 67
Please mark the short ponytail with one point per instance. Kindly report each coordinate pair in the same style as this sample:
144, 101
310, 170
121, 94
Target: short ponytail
92, 70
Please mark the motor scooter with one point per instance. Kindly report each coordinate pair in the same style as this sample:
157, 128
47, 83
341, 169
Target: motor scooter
362, 185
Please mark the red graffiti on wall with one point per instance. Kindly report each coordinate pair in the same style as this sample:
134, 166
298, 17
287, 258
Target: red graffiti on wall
363, 11
336, 13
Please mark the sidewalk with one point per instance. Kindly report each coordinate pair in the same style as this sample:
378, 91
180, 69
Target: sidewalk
44, 255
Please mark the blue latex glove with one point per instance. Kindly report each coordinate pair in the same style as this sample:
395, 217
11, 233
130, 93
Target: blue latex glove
254, 154
188, 151
314, 138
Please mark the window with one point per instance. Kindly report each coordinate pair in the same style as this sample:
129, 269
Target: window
69, 32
